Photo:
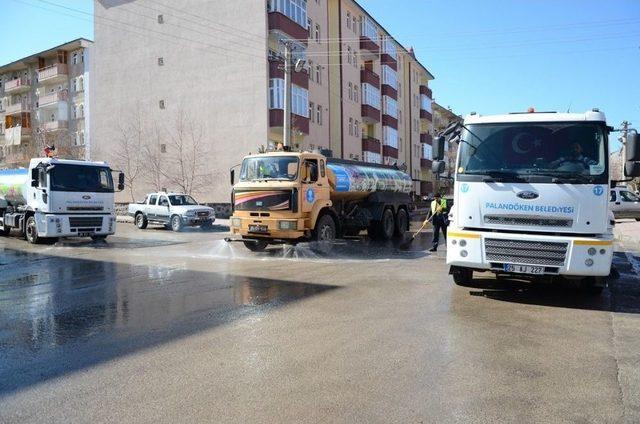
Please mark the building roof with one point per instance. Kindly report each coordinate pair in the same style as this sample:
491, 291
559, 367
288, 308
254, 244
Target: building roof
445, 111
409, 52
23, 63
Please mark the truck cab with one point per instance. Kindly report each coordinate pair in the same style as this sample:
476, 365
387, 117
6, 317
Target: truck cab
531, 197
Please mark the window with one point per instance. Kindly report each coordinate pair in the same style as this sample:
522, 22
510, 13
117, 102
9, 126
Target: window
371, 157
369, 29
160, 19
427, 152
161, 104
350, 126
81, 111
319, 74
389, 106
389, 47
355, 59
355, 94
299, 97
348, 19
317, 33
312, 165
153, 199
399, 89
356, 128
425, 103
80, 84
370, 95
627, 196
612, 197
349, 54
163, 148
74, 85
354, 26
296, 10
319, 115
311, 70
75, 112
350, 91
312, 111
163, 201
399, 117
81, 141
389, 77
310, 27
74, 59
160, 61
390, 136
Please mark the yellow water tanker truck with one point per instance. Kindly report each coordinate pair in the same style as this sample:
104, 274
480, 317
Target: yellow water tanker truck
289, 197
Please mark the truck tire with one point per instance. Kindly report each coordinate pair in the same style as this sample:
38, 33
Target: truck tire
4, 232
383, 230
402, 222
176, 223
256, 246
462, 276
99, 238
141, 221
31, 231
325, 229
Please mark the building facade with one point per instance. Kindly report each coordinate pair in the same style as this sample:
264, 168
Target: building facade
44, 100
361, 94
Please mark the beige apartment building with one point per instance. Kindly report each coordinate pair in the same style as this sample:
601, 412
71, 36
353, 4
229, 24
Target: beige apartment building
217, 67
44, 100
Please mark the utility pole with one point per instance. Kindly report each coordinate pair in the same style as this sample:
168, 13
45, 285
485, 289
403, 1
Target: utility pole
288, 67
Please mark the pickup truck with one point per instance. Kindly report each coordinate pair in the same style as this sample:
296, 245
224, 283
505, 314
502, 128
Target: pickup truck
173, 210
624, 203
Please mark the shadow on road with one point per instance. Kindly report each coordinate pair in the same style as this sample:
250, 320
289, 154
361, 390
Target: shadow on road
60, 315
622, 294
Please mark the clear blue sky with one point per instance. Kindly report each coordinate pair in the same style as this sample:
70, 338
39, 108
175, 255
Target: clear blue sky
488, 56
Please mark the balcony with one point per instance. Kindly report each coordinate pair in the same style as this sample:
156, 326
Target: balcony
388, 90
370, 144
55, 125
17, 86
370, 114
370, 49
390, 152
368, 76
389, 121
16, 135
426, 138
426, 91
18, 108
285, 25
50, 99
300, 123
53, 74
425, 163
301, 79
390, 61
425, 114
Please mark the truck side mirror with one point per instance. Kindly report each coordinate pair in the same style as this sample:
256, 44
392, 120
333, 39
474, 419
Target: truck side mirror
34, 177
232, 176
437, 151
121, 181
633, 148
437, 167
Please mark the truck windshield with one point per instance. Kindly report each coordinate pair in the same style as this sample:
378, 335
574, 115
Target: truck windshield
182, 200
284, 168
90, 179
563, 152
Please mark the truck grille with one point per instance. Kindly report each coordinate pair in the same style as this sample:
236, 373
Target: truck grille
525, 221
525, 252
85, 222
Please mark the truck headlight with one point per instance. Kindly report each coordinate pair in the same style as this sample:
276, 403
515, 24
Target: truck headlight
236, 222
288, 225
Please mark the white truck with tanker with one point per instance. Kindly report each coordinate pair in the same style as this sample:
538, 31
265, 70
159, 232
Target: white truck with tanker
57, 198
531, 196
287, 197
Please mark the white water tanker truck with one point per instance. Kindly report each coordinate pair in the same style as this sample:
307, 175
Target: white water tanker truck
288, 197
58, 198
531, 196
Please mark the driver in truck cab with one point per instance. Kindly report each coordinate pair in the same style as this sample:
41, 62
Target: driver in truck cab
575, 157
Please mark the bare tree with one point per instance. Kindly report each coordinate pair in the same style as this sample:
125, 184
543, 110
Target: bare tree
187, 159
129, 153
155, 164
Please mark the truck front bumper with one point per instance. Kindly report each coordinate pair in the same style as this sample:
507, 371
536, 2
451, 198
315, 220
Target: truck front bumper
268, 228
558, 255
58, 225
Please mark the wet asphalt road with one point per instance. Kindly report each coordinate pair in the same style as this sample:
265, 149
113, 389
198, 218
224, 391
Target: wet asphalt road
161, 327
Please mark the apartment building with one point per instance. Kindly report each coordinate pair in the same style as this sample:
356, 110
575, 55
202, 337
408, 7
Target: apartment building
44, 100
442, 118
361, 95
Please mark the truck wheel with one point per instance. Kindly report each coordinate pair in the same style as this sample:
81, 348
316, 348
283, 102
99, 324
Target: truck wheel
31, 231
141, 221
257, 246
5, 231
176, 223
383, 230
99, 238
462, 276
325, 229
402, 222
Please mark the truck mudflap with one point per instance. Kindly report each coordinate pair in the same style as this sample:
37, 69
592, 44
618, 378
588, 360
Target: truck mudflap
530, 254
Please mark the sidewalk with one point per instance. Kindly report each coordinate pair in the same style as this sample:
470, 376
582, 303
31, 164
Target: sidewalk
627, 233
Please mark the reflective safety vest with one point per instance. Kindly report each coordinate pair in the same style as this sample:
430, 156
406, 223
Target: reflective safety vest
441, 208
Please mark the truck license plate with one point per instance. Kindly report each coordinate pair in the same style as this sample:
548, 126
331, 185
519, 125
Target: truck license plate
524, 269
258, 229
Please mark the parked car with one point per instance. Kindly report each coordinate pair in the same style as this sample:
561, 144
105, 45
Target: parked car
173, 210
624, 203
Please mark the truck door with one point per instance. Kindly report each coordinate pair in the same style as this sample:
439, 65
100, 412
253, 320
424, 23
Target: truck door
151, 207
41, 192
310, 181
164, 209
